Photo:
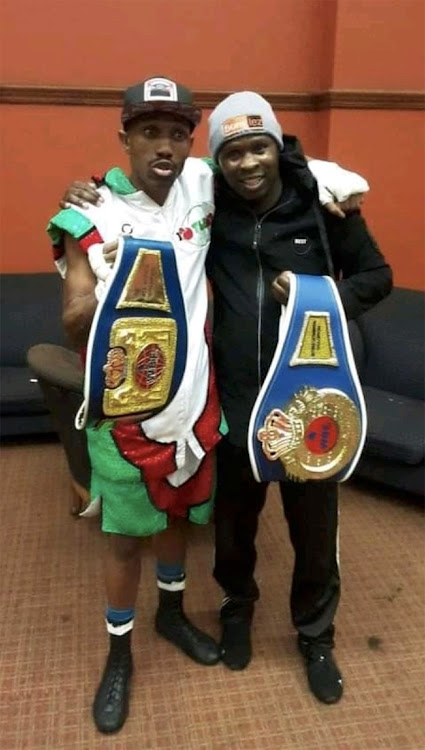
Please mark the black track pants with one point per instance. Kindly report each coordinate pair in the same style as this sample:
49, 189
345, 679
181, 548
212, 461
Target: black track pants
311, 511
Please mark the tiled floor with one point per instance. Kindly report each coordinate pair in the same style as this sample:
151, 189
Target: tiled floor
53, 640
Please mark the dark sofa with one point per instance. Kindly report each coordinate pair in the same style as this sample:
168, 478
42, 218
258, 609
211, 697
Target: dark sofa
30, 313
388, 342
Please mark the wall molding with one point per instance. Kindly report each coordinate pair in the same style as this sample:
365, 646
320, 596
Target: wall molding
303, 101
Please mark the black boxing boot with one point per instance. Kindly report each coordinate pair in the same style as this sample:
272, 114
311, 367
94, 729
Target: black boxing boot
110, 707
172, 623
236, 619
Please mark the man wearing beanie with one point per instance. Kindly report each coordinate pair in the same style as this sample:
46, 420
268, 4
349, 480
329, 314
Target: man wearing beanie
269, 221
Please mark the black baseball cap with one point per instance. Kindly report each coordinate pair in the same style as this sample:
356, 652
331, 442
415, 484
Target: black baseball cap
159, 95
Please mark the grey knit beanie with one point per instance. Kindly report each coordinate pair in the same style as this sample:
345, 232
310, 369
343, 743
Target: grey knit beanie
244, 113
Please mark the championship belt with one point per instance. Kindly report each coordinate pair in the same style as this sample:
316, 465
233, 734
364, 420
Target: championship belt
137, 346
309, 419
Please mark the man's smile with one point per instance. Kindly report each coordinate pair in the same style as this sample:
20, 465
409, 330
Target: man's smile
253, 182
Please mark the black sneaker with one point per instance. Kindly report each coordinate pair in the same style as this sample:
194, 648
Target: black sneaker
324, 677
236, 646
110, 707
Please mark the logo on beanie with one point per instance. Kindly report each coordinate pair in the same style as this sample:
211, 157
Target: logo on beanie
241, 124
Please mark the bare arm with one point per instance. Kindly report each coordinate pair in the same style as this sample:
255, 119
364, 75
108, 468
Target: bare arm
79, 300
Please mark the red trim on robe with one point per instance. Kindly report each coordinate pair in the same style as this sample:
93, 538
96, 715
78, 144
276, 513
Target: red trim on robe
177, 500
157, 460
92, 238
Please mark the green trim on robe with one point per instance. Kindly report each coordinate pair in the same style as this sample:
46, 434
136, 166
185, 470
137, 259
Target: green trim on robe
118, 182
71, 221
76, 224
211, 164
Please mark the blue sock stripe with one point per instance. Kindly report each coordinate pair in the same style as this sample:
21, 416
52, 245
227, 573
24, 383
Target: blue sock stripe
119, 616
169, 573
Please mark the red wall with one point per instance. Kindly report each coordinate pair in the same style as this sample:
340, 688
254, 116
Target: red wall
379, 44
392, 157
273, 45
278, 45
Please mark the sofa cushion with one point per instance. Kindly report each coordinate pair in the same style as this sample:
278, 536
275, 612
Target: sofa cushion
395, 426
393, 336
20, 392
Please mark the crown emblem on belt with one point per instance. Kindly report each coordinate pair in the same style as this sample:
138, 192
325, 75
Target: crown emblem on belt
315, 434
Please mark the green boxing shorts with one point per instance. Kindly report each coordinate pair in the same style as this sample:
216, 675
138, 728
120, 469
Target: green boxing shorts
129, 475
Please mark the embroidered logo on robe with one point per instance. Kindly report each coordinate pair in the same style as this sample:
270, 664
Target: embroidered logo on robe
196, 226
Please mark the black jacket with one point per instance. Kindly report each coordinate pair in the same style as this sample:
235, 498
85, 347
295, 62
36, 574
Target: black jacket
248, 251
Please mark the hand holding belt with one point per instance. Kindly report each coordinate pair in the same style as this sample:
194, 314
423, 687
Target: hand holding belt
137, 346
309, 419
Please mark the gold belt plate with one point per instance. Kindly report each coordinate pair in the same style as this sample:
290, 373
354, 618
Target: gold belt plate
139, 365
314, 436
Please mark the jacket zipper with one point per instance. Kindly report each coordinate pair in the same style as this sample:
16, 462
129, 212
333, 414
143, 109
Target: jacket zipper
255, 246
260, 282
259, 294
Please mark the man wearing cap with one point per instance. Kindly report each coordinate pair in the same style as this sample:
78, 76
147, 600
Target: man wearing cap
152, 474
269, 222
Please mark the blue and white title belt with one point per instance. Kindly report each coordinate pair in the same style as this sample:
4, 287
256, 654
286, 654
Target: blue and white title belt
137, 346
309, 419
